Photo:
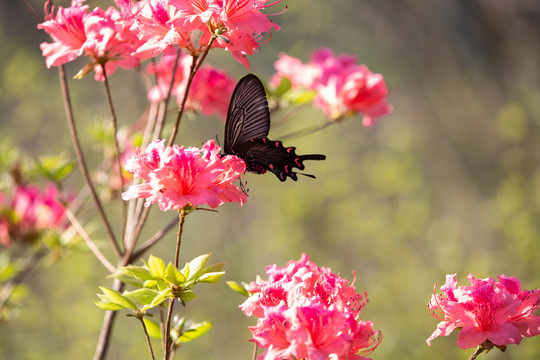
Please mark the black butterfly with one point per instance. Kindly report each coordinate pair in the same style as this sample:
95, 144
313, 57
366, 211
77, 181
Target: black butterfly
246, 128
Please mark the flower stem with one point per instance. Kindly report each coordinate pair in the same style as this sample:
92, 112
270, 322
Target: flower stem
480, 349
194, 67
147, 336
181, 218
255, 348
82, 162
116, 159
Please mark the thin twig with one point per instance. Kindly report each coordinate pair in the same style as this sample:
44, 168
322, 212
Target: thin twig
153, 240
168, 329
477, 352
147, 337
10, 286
181, 218
32, 10
161, 120
308, 130
82, 162
89, 242
255, 348
116, 159
194, 67
106, 327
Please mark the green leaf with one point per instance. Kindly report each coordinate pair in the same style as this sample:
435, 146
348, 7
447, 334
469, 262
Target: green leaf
115, 297
188, 295
197, 266
195, 331
163, 295
211, 278
142, 296
156, 266
185, 271
215, 268
173, 275
238, 288
105, 305
127, 279
150, 284
152, 328
139, 272
283, 87
55, 168
301, 97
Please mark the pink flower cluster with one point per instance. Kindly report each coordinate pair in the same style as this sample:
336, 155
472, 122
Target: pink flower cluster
137, 30
500, 312
105, 36
28, 212
211, 88
343, 87
307, 312
176, 177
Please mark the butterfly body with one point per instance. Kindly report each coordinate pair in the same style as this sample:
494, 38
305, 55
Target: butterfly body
246, 130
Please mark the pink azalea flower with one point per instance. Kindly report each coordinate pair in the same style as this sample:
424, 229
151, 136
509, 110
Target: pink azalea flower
163, 71
240, 23
29, 212
102, 35
501, 313
343, 87
354, 90
292, 68
67, 31
307, 312
155, 27
176, 177
210, 90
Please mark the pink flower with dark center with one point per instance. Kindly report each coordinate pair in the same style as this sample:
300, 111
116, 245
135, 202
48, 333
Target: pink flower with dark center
176, 177
307, 312
501, 313
29, 212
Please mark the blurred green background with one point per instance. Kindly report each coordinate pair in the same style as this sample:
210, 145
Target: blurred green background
449, 183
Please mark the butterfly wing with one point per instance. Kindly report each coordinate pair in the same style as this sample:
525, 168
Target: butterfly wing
263, 155
248, 116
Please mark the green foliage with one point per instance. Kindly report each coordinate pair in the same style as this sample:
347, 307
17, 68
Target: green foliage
157, 282
54, 167
239, 288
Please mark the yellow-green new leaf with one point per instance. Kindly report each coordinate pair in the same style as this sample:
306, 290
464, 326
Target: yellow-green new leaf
152, 328
197, 265
115, 297
211, 278
238, 288
156, 266
188, 295
195, 331
142, 296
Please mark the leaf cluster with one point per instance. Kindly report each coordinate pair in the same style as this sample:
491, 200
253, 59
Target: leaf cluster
157, 281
